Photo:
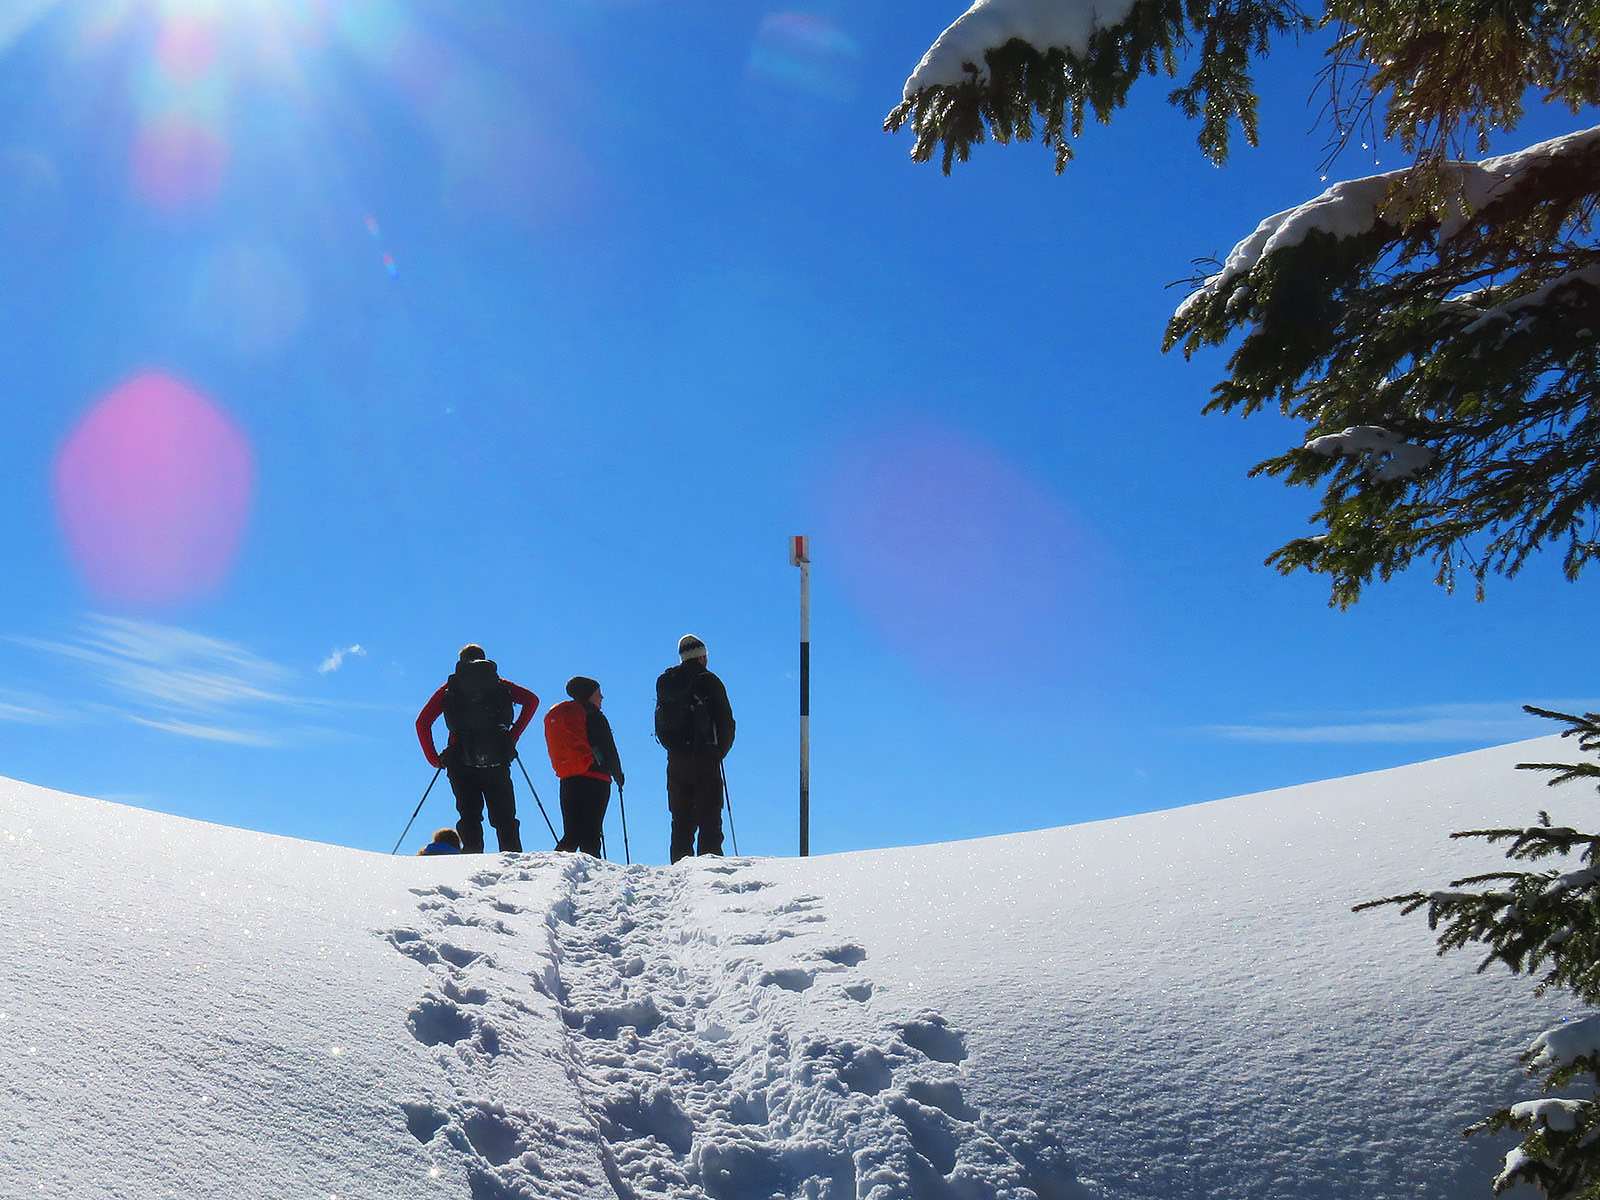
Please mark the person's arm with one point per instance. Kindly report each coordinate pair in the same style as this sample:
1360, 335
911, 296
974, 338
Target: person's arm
603, 745
425, 719
529, 703
721, 713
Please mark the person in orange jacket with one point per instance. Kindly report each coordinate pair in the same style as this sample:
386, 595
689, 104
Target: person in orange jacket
479, 709
583, 754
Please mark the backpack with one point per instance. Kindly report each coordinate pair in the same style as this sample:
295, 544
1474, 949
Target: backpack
478, 711
684, 720
566, 736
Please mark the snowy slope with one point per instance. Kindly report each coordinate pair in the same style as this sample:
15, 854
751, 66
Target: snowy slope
1173, 1005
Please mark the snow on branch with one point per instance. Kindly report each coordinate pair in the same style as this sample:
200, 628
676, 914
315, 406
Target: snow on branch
1559, 291
1565, 1044
1560, 1115
989, 24
1395, 458
1356, 206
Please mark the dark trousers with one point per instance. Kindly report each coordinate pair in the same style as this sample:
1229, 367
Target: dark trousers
694, 799
475, 788
583, 813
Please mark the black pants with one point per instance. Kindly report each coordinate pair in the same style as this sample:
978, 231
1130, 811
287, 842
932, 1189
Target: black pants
583, 813
694, 798
475, 788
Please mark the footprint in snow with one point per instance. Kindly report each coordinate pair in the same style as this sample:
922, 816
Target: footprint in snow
606, 1023
845, 956
932, 1035
436, 1021
791, 979
743, 885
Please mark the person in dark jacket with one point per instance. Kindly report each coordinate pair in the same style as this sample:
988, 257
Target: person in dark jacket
477, 706
583, 754
445, 841
694, 721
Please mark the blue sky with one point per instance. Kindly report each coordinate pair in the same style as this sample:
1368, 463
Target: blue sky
335, 335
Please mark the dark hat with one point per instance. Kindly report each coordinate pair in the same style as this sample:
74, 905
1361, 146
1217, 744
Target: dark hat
581, 687
689, 647
471, 652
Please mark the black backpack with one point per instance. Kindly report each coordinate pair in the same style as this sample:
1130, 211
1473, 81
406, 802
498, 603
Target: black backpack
478, 711
684, 720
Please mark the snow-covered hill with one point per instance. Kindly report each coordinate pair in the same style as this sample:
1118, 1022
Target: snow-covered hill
1176, 1005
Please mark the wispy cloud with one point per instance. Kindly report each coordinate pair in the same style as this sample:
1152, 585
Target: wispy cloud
176, 680
336, 660
26, 710
209, 733
1428, 723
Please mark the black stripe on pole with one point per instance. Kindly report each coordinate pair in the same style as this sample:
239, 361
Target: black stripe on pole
805, 679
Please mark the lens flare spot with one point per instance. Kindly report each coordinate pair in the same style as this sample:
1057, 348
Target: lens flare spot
187, 48
940, 541
32, 200
807, 54
249, 298
153, 491
177, 163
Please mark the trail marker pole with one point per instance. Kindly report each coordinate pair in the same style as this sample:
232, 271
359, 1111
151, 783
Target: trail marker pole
800, 556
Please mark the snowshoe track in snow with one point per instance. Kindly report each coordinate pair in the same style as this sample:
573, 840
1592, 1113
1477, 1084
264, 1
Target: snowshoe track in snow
686, 1032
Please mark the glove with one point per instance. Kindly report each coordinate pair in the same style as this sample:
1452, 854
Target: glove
447, 756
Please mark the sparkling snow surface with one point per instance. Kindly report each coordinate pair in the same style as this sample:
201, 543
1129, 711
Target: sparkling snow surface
1177, 1005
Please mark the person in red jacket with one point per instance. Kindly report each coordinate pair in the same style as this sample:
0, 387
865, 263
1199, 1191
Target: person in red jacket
584, 756
479, 710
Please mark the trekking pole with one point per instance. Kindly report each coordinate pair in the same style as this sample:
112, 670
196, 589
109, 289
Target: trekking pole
554, 836
728, 800
420, 803
623, 809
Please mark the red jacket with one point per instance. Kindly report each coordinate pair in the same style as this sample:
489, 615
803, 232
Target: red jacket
434, 709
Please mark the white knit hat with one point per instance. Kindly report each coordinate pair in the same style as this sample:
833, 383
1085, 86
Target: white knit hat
689, 647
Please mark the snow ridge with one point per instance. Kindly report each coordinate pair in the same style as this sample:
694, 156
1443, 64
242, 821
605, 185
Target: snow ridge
709, 1037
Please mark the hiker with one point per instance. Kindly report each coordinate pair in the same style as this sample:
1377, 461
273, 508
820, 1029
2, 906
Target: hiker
584, 756
477, 706
695, 723
445, 841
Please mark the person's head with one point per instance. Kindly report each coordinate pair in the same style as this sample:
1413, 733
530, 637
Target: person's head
584, 690
471, 652
448, 836
690, 647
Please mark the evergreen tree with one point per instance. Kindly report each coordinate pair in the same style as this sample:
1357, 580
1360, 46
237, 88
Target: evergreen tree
1543, 923
1433, 328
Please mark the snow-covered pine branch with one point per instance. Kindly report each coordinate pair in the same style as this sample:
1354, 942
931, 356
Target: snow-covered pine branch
1543, 923
1387, 455
1004, 64
1453, 303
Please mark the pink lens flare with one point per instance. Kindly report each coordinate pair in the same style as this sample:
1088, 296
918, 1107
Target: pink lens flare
187, 49
946, 547
178, 163
153, 491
